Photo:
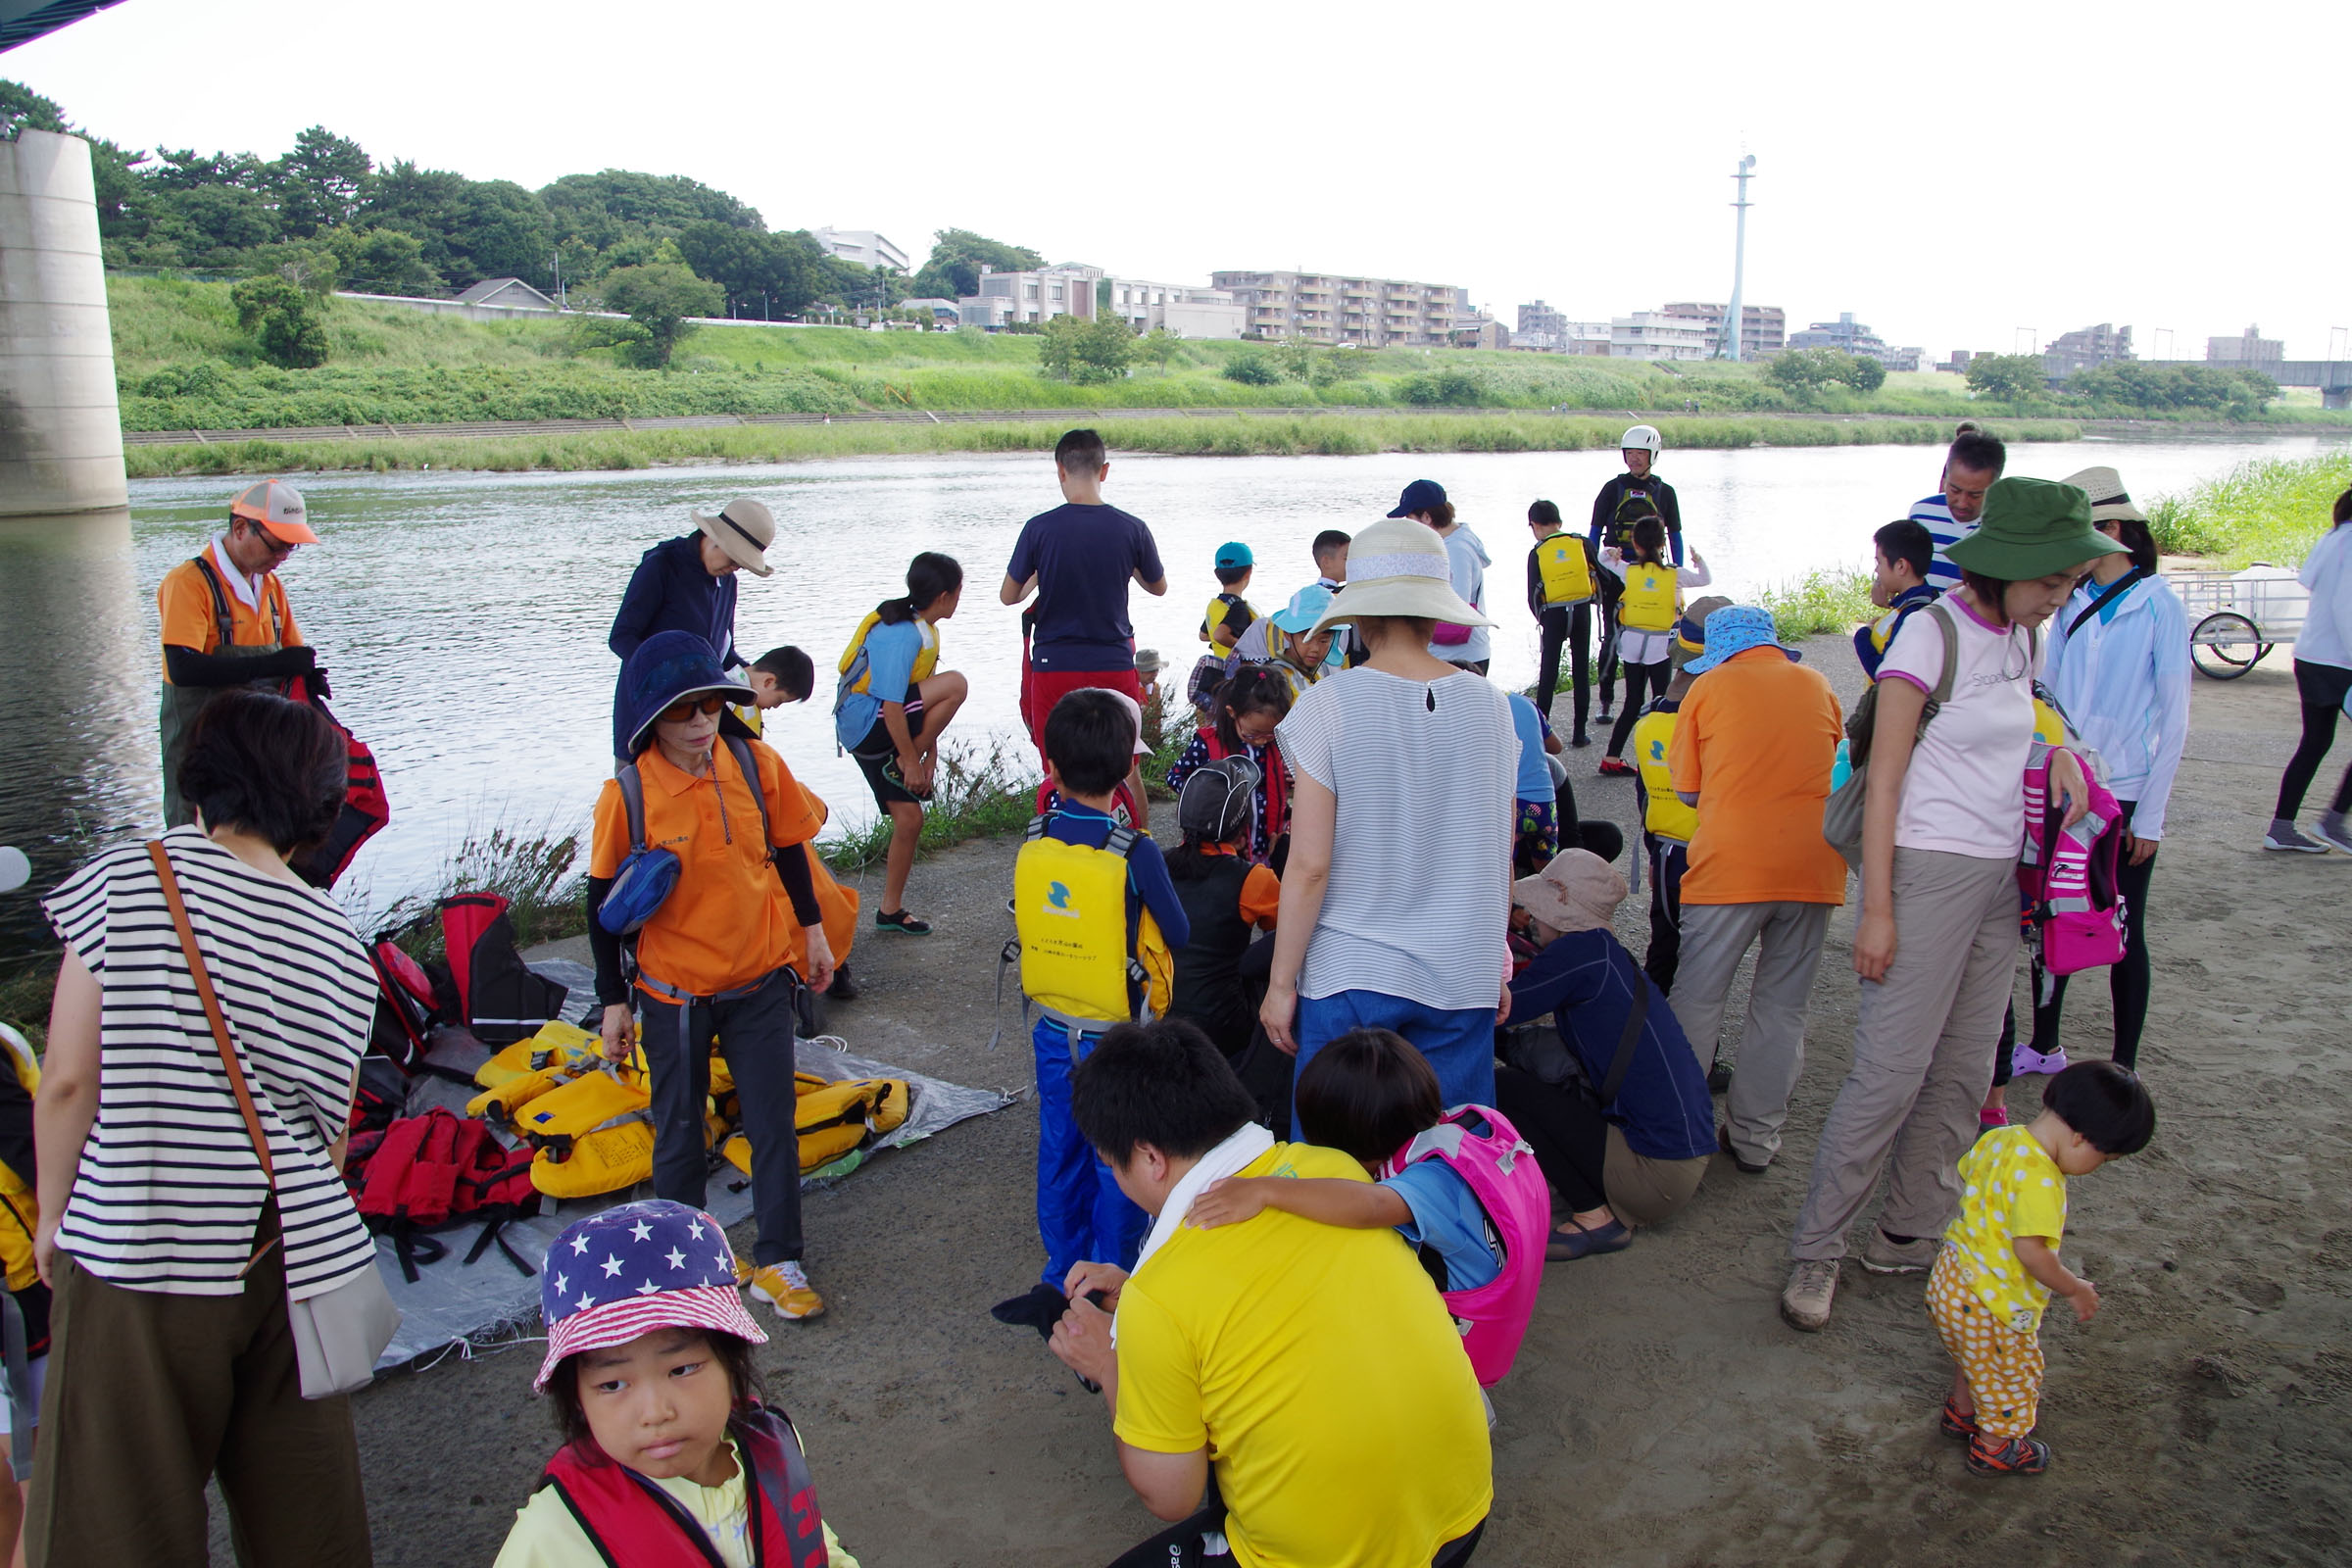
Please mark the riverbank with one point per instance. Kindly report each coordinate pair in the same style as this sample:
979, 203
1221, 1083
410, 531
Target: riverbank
1661, 1414
2271, 509
1234, 433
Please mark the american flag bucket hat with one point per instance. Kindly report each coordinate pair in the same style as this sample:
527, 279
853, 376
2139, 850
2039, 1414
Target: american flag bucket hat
635, 1268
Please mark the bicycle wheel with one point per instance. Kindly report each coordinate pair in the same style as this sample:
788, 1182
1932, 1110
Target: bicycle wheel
2225, 645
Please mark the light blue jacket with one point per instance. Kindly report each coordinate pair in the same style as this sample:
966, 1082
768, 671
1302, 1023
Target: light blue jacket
2124, 681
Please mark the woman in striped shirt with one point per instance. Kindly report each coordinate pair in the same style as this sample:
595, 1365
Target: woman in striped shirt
172, 1254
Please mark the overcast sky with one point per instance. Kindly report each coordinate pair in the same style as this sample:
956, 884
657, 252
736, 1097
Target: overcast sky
1953, 174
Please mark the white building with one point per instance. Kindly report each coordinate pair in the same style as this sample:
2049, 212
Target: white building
863, 246
1655, 335
1185, 310
1066, 289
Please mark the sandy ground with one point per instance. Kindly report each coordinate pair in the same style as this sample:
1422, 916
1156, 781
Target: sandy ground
1661, 1413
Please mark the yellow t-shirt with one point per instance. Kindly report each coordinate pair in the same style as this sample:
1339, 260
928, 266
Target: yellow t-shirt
547, 1536
2009, 1187
1320, 1370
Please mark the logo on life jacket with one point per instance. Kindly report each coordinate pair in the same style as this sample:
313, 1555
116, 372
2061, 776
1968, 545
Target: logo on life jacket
1057, 902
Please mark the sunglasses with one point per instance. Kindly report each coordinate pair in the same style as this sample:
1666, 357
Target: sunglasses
270, 541
680, 712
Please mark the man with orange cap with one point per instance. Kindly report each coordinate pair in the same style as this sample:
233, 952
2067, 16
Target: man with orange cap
226, 622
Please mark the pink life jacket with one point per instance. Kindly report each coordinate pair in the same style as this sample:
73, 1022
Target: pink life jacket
2069, 877
1478, 1145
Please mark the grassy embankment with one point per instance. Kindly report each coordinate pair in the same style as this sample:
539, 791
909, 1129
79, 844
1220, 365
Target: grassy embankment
2271, 509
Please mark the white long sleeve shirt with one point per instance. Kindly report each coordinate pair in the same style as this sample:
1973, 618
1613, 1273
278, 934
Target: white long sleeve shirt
2327, 636
2123, 679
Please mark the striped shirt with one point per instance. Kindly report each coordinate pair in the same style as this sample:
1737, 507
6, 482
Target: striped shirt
1420, 888
1942, 575
169, 1192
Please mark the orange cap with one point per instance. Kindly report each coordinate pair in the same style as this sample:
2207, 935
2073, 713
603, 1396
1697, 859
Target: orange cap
278, 506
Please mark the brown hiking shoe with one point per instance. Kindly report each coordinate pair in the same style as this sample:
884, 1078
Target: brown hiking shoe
1883, 1254
1805, 1300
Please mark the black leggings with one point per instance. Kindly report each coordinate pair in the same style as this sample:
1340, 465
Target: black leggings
2321, 688
2126, 979
1567, 1131
1635, 675
1569, 626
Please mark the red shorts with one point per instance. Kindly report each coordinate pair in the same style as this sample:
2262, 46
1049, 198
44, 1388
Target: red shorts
1045, 687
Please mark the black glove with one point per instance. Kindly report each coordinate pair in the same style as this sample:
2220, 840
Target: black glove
317, 681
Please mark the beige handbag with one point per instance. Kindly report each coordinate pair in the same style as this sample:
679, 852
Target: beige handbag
339, 1333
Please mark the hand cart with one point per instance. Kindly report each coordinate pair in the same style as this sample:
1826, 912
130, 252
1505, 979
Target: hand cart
2236, 617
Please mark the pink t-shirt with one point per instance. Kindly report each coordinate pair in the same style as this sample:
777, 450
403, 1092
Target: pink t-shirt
1965, 790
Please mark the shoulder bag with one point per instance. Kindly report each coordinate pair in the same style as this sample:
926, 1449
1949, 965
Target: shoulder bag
339, 1333
1544, 1055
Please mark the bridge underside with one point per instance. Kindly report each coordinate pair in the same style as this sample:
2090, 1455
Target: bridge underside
22, 20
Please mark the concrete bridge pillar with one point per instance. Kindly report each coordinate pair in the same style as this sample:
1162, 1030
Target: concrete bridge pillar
61, 432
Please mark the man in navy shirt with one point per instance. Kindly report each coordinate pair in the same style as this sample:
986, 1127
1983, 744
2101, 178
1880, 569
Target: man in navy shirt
688, 584
1079, 558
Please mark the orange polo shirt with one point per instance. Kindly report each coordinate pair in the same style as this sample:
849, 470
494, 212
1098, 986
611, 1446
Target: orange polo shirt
729, 921
1756, 741
184, 604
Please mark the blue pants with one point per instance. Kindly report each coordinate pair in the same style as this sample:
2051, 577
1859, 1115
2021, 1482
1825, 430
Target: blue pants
1459, 1043
1082, 1216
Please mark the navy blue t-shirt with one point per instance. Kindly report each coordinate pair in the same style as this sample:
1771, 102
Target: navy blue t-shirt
1586, 979
1083, 557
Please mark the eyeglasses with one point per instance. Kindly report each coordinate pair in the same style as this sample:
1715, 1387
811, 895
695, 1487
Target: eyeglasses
680, 712
271, 542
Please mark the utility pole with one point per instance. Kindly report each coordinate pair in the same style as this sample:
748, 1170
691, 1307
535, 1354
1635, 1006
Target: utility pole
1732, 317
2164, 343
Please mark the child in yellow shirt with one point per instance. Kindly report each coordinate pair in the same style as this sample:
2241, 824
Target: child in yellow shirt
1998, 1266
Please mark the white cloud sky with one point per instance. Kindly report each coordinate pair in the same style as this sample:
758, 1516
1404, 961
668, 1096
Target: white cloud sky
1949, 174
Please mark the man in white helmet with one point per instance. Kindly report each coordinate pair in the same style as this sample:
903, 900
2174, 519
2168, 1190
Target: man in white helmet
226, 622
1625, 500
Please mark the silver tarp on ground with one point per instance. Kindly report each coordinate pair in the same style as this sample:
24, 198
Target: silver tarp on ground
458, 1304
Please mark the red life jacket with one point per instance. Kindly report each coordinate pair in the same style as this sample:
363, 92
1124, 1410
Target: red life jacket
633, 1523
440, 1169
1277, 784
1478, 1145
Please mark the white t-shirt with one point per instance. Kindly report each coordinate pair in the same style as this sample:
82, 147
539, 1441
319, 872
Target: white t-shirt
1421, 855
1965, 790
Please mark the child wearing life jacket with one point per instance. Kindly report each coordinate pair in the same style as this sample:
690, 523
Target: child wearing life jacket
1651, 602
1235, 566
1097, 918
671, 1454
892, 705
1562, 583
1249, 707
1227, 899
1459, 1184
1903, 554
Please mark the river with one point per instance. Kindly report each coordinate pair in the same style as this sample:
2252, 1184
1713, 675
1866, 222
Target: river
464, 615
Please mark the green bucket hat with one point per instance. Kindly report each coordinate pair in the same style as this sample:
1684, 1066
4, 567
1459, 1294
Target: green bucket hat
2032, 528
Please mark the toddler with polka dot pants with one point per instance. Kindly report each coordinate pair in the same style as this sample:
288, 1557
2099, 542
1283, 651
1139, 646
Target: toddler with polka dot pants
1998, 1266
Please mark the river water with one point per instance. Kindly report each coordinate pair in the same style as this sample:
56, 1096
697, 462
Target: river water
464, 616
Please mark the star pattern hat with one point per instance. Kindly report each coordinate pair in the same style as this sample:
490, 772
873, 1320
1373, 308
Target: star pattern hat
632, 1269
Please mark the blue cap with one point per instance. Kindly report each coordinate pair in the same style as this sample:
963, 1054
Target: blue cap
1234, 553
1422, 495
1305, 607
1733, 630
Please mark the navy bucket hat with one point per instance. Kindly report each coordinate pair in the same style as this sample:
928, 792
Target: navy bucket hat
667, 667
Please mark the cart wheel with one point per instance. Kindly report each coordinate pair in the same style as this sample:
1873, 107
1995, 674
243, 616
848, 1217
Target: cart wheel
2225, 645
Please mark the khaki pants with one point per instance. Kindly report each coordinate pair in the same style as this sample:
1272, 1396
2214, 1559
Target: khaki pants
1787, 939
1923, 1054
1643, 1191
149, 1395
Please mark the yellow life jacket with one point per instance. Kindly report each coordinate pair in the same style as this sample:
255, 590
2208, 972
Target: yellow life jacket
1564, 569
856, 668
833, 1119
556, 1042
1091, 953
19, 1205
1649, 597
590, 1134
1662, 811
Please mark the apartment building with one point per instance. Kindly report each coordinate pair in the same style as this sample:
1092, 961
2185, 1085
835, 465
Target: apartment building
1845, 334
1763, 328
1655, 335
2084, 348
1324, 308
1184, 308
863, 246
2250, 349
1066, 289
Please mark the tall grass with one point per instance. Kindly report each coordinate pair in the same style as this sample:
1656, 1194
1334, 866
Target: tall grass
1818, 603
974, 795
2270, 508
1241, 435
533, 866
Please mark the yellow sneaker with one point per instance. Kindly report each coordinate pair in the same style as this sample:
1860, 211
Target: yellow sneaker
785, 1287
743, 1271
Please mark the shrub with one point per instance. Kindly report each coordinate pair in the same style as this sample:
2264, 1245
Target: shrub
1448, 387
285, 318
1252, 370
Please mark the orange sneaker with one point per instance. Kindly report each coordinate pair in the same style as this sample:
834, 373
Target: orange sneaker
785, 1287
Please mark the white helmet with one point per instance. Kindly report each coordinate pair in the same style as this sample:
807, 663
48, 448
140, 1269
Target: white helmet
1642, 438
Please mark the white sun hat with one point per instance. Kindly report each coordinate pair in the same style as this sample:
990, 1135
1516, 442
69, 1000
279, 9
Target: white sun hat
1398, 568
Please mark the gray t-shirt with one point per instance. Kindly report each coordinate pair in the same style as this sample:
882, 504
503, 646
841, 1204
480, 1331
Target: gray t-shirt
1420, 889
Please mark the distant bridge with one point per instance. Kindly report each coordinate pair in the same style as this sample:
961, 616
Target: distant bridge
2333, 377
22, 20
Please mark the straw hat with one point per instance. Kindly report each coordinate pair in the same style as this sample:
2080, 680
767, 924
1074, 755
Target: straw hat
2109, 500
744, 528
1398, 568
2031, 529
1578, 891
